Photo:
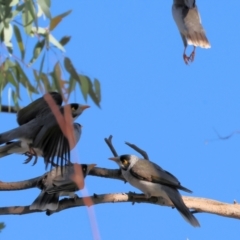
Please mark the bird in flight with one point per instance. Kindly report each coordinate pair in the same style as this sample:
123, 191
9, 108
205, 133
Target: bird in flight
188, 20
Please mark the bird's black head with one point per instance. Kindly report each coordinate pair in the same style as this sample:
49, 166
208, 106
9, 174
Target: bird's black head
74, 106
84, 169
125, 161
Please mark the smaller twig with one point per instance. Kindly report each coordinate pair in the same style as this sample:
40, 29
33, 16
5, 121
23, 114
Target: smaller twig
110, 145
226, 137
107, 173
139, 150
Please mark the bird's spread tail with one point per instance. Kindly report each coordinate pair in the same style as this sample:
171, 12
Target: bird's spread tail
177, 201
198, 39
45, 202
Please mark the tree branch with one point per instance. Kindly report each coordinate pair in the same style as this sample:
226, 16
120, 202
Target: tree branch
139, 150
202, 205
110, 145
31, 183
26, 184
8, 109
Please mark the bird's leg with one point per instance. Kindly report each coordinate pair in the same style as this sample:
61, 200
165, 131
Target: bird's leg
185, 57
30, 155
192, 55
36, 156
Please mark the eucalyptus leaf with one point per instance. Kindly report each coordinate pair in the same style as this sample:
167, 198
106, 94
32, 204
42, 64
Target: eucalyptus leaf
55, 42
37, 51
19, 40
45, 8
64, 40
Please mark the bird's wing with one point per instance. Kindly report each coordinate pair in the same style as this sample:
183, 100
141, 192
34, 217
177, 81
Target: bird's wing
37, 107
189, 3
151, 172
61, 181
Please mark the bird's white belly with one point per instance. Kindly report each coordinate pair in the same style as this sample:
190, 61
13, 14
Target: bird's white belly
148, 188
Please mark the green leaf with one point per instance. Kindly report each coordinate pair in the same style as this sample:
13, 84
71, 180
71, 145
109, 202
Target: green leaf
15, 99
70, 68
8, 32
97, 89
57, 77
45, 8
18, 9
21, 76
55, 42
10, 63
2, 226
84, 85
56, 20
41, 64
72, 85
36, 51
64, 40
45, 82
19, 40
92, 93
9, 47
31, 9
13, 3
27, 18
3, 82
37, 78
11, 79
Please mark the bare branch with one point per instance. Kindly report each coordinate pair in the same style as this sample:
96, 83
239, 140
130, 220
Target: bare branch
139, 150
110, 145
31, 183
26, 184
8, 109
202, 205
107, 173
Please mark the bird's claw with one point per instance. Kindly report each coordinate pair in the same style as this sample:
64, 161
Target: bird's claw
30, 155
186, 58
190, 58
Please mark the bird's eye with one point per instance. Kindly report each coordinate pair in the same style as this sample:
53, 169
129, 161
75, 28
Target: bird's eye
125, 162
74, 108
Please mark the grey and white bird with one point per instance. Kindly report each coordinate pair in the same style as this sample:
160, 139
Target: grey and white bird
188, 20
55, 183
152, 180
40, 132
21, 147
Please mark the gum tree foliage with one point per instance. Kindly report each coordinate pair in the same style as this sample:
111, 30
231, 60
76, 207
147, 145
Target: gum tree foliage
22, 27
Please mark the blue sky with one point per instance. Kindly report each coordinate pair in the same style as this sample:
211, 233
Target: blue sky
150, 98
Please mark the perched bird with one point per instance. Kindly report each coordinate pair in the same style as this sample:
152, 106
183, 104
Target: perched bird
55, 184
40, 132
187, 18
152, 180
